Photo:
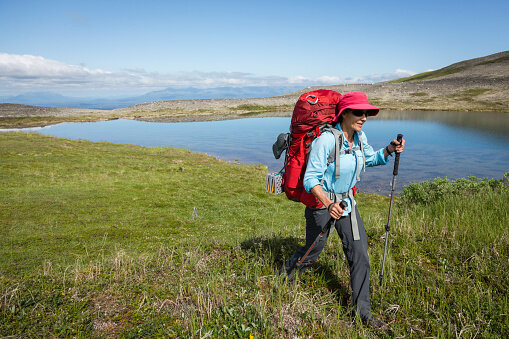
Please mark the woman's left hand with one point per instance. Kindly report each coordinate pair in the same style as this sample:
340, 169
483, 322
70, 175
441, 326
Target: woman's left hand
396, 146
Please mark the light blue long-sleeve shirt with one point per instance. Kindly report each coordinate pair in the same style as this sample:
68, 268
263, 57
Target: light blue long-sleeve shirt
317, 168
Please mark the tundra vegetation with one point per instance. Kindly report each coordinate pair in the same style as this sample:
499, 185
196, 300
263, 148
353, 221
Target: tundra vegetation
110, 240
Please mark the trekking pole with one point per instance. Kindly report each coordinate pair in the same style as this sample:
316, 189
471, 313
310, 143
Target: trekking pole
388, 226
325, 230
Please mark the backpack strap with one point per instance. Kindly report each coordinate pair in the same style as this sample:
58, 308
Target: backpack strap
334, 155
338, 136
361, 144
337, 152
361, 148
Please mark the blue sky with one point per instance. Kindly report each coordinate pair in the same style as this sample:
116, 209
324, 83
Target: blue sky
131, 47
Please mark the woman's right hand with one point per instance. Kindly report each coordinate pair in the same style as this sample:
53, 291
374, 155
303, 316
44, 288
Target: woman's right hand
336, 209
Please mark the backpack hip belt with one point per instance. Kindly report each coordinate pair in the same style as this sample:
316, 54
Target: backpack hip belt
337, 197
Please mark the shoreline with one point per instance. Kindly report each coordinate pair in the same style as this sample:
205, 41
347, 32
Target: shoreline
27, 119
494, 124
457, 95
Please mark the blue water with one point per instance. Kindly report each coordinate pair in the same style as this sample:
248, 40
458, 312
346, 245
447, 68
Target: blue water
451, 148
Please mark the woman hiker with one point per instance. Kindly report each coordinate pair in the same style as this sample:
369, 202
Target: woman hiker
320, 180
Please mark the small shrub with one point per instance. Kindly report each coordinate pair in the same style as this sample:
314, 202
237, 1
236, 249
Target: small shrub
428, 191
252, 107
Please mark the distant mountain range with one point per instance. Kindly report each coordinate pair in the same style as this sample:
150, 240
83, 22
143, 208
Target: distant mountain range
479, 84
50, 99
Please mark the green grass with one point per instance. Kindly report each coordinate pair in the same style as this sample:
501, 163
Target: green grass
109, 240
470, 94
419, 94
35, 121
496, 61
446, 71
429, 75
254, 108
168, 112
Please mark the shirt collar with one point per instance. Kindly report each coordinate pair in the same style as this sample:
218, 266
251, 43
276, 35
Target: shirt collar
345, 142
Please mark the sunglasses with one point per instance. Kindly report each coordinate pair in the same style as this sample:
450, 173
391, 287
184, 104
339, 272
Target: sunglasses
360, 113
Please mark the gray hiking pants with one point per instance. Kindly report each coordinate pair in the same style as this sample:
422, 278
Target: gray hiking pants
356, 253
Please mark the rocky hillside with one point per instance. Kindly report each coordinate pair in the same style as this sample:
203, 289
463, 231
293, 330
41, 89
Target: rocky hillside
480, 84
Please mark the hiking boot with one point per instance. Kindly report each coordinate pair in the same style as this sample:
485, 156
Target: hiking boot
289, 276
375, 323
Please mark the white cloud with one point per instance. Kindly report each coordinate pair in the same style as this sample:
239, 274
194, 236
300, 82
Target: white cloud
23, 66
22, 73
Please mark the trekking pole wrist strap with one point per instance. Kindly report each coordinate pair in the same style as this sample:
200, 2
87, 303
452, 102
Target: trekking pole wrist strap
387, 150
330, 205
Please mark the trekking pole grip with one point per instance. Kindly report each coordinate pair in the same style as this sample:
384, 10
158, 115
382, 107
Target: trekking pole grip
396, 161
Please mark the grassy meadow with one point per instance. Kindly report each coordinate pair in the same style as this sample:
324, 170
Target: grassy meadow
104, 240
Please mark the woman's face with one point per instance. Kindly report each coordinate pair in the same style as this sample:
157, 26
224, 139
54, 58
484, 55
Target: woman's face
354, 119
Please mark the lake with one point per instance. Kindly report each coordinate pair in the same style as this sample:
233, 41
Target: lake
438, 144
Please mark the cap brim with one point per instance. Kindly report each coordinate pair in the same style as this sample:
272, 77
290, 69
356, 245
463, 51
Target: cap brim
373, 109
366, 107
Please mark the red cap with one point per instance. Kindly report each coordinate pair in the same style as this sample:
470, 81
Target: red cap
355, 100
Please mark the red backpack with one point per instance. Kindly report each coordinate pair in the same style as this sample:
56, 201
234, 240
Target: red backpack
313, 113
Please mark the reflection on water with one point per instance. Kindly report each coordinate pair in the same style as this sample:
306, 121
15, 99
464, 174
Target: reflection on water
490, 122
444, 144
